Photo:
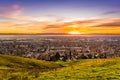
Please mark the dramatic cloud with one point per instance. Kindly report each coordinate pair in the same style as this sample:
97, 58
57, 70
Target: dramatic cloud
85, 23
110, 25
11, 12
81, 23
15, 12
111, 22
110, 12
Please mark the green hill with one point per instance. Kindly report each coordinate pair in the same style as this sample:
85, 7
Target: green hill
13, 67
17, 68
90, 69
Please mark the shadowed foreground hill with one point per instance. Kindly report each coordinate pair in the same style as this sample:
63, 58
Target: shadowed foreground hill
12, 67
17, 68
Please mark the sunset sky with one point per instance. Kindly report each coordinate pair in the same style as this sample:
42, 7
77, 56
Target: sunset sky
60, 16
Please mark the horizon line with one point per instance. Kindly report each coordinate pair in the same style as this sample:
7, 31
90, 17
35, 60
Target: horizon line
57, 34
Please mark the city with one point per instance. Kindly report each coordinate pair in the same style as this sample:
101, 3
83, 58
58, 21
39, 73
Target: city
53, 48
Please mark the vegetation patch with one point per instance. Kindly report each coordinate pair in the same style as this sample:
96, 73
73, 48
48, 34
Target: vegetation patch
17, 68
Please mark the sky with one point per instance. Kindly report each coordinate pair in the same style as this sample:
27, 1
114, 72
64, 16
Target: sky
60, 16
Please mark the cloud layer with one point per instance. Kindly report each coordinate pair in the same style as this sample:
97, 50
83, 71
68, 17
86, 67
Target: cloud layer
15, 12
39, 25
101, 26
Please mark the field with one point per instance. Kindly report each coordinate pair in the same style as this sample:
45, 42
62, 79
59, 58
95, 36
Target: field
17, 68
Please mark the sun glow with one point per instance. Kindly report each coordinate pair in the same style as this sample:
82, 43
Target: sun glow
74, 32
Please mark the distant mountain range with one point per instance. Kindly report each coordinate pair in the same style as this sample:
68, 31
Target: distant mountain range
33, 34
55, 34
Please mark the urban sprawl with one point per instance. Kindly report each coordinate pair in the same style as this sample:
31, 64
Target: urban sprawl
52, 48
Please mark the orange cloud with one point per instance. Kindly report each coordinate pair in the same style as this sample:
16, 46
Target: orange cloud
94, 26
87, 26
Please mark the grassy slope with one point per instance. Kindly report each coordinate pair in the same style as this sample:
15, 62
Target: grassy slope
12, 67
16, 68
91, 69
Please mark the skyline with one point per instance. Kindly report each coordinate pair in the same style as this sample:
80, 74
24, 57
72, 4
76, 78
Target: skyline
60, 16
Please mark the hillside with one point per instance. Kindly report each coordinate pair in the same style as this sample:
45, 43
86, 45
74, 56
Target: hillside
87, 69
17, 68
13, 67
